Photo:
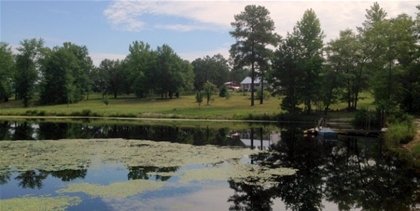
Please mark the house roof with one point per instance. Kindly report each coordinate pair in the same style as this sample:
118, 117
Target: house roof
247, 80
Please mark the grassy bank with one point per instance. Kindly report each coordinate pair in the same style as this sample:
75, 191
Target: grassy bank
237, 107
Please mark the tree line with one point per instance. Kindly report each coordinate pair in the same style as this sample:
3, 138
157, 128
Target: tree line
382, 56
66, 74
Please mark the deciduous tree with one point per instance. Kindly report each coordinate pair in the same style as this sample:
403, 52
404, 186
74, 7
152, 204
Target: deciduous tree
65, 74
172, 74
114, 74
27, 67
140, 64
213, 69
209, 90
7, 71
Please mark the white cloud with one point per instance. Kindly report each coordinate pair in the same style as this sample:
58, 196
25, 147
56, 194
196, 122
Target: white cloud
217, 15
98, 57
182, 27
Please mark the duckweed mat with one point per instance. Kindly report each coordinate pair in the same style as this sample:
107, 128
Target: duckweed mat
55, 155
43, 203
114, 190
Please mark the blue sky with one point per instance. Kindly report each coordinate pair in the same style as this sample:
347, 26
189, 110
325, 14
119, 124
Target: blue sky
193, 29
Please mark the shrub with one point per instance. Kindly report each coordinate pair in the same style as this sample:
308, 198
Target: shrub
41, 113
416, 152
228, 95
223, 91
400, 133
266, 94
199, 98
365, 119
106, 101
86, 112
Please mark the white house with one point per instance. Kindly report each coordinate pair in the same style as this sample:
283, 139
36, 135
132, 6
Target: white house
246, 84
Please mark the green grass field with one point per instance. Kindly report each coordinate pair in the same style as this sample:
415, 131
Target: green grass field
127, 105
185, 107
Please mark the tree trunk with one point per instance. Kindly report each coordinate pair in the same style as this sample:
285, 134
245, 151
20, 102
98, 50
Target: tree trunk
262, 86
252, 83
252, 74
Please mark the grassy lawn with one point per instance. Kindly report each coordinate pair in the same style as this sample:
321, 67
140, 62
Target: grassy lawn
184, 107
365, 101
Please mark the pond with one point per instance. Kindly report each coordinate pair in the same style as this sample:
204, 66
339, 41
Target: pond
88, 165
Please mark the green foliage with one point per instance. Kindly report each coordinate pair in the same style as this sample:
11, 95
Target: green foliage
416, 152
152, 96
238, 74
213, 69
160, 70
35, 113
295, 74
65, 76
265, 95
209, 90
223, 91
86, 112
31, 112
140, 63
7, 71
27, 58
400, 133
228, 95
309, 39
365, 119
394, 54
199, 98
172, 74
106, 101
346, 75
253, 31
112, 73
285, 77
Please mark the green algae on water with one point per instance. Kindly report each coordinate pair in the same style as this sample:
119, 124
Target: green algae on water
55, 155
114, 190
43, 203
238, 172
258, 175
219, 173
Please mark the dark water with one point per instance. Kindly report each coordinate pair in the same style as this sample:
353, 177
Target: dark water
351, 173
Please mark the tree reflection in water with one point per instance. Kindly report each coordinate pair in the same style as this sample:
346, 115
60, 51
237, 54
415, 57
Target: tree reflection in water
69, 174
351, 173
23, 131
144, 172
5, 177
31, 179
196, 135
250, 197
